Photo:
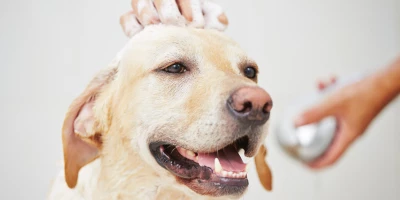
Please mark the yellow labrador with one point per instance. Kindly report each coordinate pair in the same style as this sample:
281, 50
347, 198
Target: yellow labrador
168, 119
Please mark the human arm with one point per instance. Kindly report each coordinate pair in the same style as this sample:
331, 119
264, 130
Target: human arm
355, 106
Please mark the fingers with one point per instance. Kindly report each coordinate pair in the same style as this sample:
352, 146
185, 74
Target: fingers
129, 24
214, 16
326, 108
340, 144
192, 12
314, 114
169, 13
145, 12
333, 79
324, 84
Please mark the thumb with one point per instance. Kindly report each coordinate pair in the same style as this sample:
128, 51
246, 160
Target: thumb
340, 144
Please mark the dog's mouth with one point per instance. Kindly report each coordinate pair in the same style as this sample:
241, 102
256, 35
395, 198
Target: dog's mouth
217, 173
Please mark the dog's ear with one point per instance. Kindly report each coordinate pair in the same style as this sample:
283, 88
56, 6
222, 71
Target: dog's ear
263, 170
81, 139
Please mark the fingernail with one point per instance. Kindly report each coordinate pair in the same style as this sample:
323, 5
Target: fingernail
223, 19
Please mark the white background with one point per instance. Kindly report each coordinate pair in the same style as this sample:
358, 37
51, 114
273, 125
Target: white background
49, 50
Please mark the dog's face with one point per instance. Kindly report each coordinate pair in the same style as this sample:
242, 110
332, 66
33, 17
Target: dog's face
187, 102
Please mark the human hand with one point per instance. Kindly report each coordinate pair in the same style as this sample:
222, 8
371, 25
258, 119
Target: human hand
354, 106
191, 13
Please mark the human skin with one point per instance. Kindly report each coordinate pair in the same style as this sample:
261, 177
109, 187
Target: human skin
355, 106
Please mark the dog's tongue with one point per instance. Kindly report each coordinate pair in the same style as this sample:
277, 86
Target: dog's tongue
228, 157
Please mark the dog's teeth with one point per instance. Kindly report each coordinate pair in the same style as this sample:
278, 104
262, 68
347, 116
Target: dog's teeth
182, 151
244, 158
247, 168
191, 154
241, 152
217, 166
224, 173
230, 174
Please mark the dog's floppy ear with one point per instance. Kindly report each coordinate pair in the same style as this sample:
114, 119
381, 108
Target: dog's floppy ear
263, 170
81, 139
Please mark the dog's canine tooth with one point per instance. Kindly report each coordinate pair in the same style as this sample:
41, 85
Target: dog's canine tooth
217, 166
190, 154
230, 174
244, 158
241, 152
247, 168
182, 151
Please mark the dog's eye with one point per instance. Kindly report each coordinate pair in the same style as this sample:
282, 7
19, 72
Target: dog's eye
175, 68
250, 72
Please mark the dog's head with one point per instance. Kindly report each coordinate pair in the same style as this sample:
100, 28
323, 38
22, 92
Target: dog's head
184, 101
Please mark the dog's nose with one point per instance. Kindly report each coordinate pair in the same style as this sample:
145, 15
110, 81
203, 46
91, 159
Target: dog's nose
250, 105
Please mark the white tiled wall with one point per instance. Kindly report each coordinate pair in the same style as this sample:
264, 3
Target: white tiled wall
50, 49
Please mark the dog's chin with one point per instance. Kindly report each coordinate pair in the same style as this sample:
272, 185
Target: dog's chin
216, 186
219, 173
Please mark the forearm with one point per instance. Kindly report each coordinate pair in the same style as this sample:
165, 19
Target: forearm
387, 82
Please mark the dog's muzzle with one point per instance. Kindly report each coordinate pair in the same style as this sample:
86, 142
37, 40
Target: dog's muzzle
222, 171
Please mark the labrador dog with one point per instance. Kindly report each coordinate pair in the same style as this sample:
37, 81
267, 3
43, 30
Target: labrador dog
172, 117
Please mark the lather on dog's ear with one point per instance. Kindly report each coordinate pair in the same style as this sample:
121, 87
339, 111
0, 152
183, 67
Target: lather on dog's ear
81, 139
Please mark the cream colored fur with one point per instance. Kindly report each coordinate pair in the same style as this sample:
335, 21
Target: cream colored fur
137, 103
